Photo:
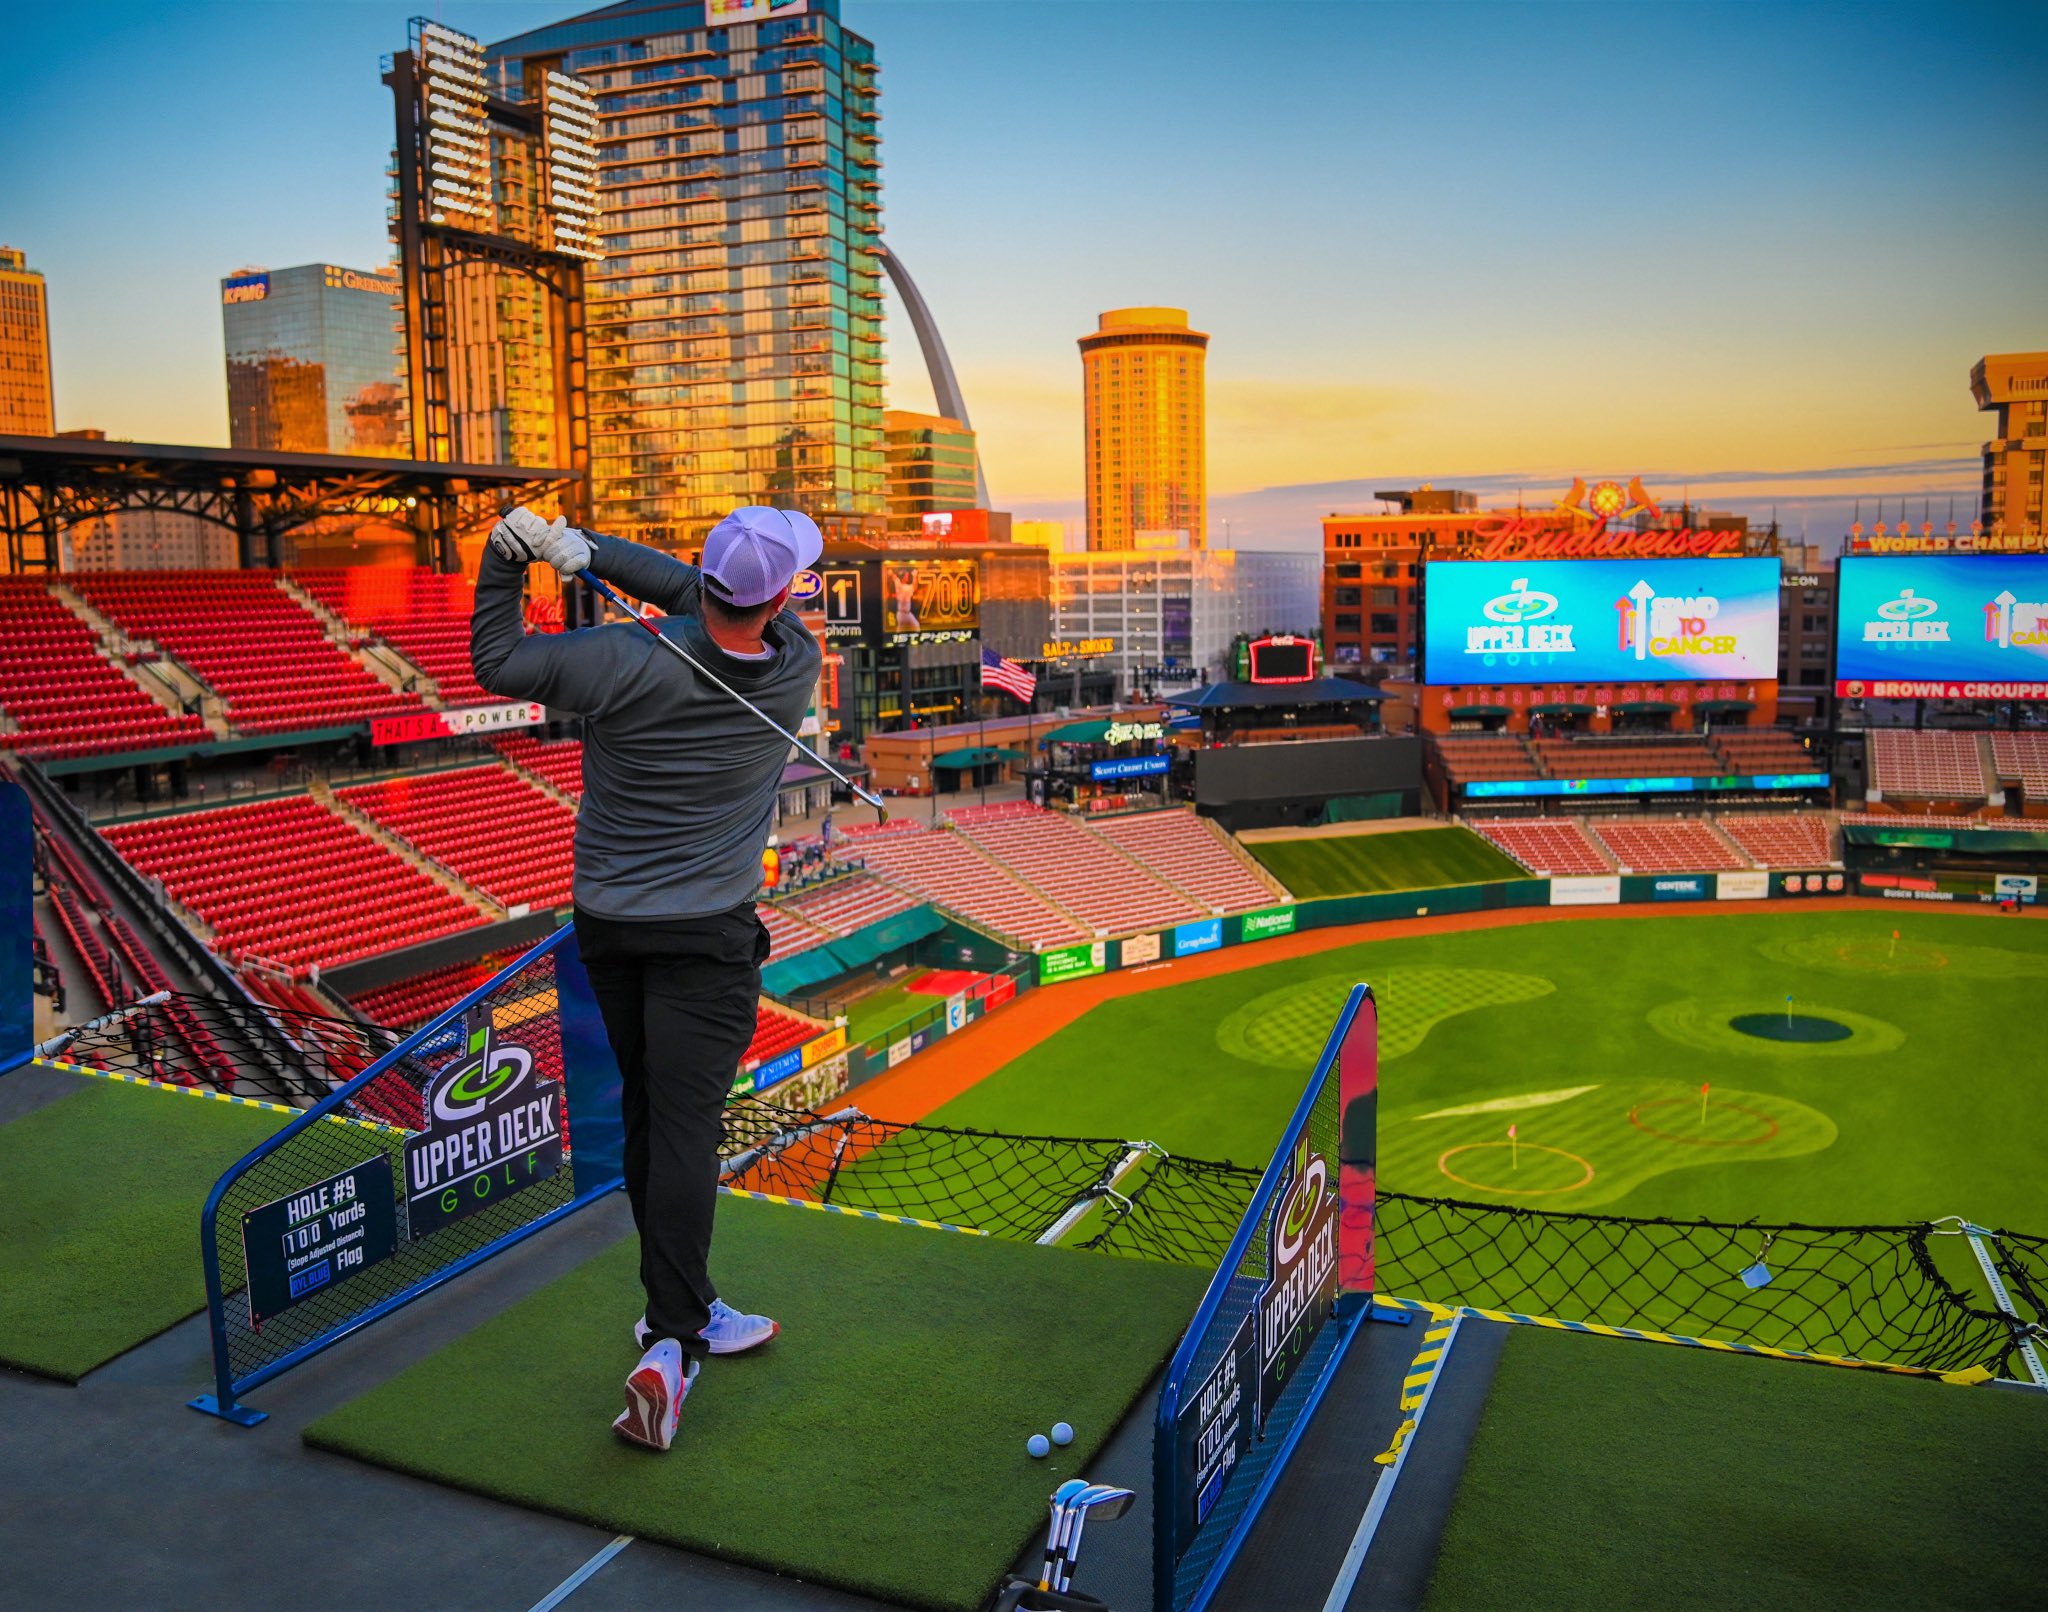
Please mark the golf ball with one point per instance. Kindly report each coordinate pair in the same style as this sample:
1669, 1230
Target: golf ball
1036, 1444
1062, 1434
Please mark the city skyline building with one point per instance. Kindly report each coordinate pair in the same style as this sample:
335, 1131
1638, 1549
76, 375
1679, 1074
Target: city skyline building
929, 463
1167, 619
2014, 386
735, 322
312, 360
1143, 428
27, 394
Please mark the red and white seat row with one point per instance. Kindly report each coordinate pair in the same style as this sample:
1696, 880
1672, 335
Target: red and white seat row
2023, 757
1547, 845
557, 761
1782, 840
943, 868
849, 903
1926, 765
423, 614
402, 1004
289, 882
485, 825
64, 696
1687, 846
1190, 853
1049, 852
267, 657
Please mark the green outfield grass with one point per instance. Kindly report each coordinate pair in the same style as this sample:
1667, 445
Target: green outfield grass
882, 1010
99, 1218
877, 1444
1365, 864
1593, 1039
1616, 1474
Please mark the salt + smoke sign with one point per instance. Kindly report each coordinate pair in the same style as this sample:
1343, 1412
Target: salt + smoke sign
492, 1130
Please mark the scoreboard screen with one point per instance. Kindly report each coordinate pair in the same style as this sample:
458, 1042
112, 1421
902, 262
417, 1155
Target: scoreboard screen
1282, 660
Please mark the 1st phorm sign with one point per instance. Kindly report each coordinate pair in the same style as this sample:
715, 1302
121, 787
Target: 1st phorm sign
491, 1130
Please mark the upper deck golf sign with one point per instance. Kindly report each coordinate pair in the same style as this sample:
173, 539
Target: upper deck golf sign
492, 1130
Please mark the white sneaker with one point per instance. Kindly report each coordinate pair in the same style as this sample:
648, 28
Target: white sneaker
654, 1396
728, 1332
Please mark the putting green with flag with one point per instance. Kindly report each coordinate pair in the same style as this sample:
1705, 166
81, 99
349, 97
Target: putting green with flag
102, 1191
1593, 1040
877, 1445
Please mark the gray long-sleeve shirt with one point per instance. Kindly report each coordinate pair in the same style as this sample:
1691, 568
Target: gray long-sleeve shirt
679, 780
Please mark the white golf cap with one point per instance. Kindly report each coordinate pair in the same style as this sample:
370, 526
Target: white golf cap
751, 555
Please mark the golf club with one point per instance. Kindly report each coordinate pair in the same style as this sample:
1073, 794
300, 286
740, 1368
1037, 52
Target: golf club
1112, 1503
1049, 1569
604, 590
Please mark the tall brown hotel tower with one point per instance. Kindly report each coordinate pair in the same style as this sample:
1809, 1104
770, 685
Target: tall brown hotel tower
25, 406
1142, 427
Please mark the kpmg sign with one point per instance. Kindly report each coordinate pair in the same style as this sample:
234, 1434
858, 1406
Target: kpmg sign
245, 288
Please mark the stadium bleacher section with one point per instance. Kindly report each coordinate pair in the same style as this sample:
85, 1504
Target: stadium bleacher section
1190, 852
1782, 839
422, 614
64, 697
290, 883
1678, 756
264, 653
1926, 764
1051, 852
788, 935
1750, 751
1547, 845
940, 865
1687, 845
402, 1004
2022, 758
558, 761
486, 825
1482, 757
849, 903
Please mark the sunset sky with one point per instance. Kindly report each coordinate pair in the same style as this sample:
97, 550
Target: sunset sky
1750, 249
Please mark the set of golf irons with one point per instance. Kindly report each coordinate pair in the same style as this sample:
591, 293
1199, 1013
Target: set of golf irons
1073, 1503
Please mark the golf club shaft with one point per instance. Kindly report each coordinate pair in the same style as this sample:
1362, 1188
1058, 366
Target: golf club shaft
604, 590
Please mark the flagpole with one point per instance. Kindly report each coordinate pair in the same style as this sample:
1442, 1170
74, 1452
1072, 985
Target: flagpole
981, 716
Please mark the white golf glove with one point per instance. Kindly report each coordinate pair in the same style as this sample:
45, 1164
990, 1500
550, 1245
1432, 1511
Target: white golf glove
525, 539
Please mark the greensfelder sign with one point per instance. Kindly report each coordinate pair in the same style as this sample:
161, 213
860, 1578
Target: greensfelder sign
1072, 962
1265, 925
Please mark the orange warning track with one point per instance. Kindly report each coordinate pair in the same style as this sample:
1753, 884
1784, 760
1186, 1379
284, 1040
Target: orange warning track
949, 1067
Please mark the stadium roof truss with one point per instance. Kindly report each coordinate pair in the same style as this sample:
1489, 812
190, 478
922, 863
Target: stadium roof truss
49, 483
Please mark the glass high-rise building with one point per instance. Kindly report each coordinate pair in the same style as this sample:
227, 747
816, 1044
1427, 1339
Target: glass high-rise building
929, 461
735, 323
313, 361
26, 409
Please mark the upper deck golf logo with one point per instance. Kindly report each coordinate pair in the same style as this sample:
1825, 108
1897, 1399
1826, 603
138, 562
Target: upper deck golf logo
1521, 628
492, 1130
1658, 625
1908, 619
1301, 1239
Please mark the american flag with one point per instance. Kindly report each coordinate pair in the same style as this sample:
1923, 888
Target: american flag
1007, 675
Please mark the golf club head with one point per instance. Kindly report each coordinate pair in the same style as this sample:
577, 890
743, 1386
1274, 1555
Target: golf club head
1103, 1501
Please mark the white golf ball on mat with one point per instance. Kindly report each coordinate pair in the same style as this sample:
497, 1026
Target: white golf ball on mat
1036, 1444
1062, 1434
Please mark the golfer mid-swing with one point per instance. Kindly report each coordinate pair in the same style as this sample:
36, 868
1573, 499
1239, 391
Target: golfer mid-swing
679, 786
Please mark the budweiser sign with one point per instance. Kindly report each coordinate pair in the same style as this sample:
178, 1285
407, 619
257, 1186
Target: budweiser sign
1565, 537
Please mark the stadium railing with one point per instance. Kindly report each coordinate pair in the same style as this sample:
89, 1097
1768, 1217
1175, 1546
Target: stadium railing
1290, 1294
498, 1117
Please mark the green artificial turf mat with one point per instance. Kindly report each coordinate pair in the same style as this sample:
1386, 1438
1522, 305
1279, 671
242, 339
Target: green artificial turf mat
877, 1444
1619, 1474
1402, 859
1910, 1118
100, 1195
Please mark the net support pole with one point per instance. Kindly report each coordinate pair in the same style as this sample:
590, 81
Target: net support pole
2021, 1333
1104, 1186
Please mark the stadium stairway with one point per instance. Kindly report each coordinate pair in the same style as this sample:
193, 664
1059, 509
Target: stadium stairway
367, 647
404, 849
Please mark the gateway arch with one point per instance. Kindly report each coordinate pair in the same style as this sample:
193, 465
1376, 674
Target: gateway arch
945, 386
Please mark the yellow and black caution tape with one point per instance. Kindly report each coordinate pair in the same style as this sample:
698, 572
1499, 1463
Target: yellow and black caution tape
1967, 1377
1422, 1372
211, 1095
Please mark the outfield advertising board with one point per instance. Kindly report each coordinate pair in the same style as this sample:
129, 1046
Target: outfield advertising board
1204, 935
1265, 925
1521, 788
1750, 886
1072, 962
1682, 887
1596, 621
1586, 890
1942, 626
1133, 950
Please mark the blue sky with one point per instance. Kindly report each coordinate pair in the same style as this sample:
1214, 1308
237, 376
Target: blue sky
1751, 247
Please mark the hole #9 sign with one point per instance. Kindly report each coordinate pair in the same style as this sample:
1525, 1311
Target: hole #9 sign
491, 1130
324, 1234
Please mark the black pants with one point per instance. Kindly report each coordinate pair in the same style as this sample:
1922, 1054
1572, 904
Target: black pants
678, 998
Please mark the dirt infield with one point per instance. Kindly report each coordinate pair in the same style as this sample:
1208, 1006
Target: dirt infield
945, 1070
